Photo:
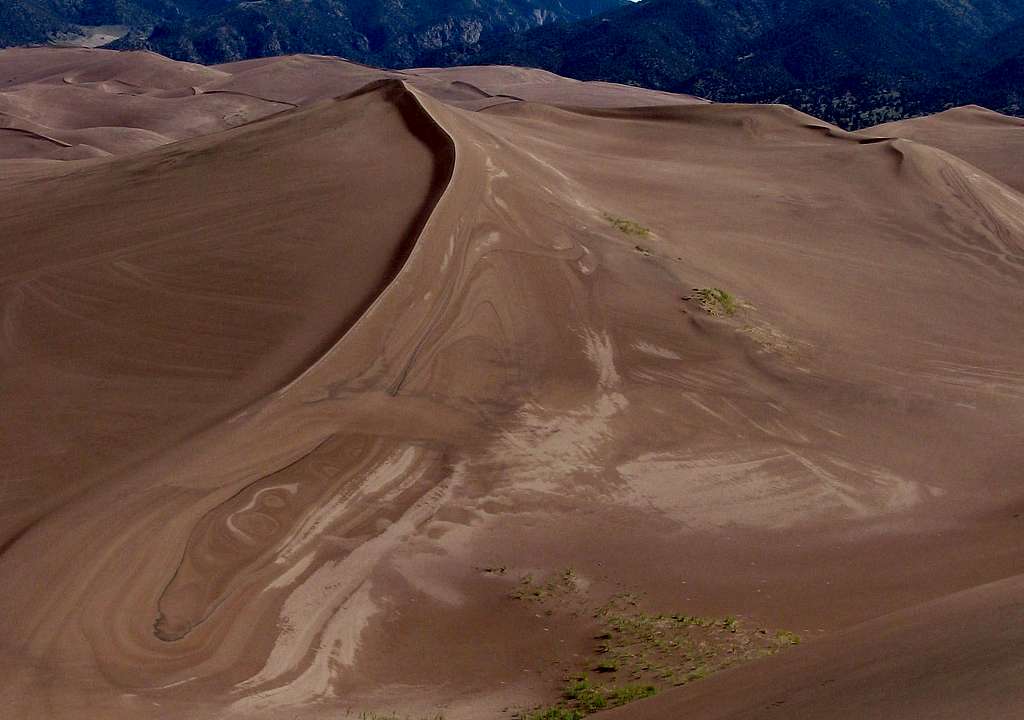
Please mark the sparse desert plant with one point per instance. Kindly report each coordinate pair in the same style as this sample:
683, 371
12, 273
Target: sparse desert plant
629, 693
716, 301
697, 673
562, 584
367, 715
555, 712
629, 227
582, 697
694, 620
585, 695
785, 637
649, 651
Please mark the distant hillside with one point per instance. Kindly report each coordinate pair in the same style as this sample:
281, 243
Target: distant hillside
656, 43
1001, 84
24, 22
856, 63
388, 33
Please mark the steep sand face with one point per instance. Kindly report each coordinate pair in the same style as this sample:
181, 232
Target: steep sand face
298, 404
147, 298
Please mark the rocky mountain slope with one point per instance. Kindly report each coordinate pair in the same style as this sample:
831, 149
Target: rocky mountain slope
856, 64
391, 33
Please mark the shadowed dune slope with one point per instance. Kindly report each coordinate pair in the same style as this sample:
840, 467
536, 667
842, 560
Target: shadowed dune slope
412, 401
146, 298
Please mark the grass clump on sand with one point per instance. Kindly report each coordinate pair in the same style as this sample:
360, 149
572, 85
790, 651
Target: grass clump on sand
637, 653
583, 697
785, 637
555, 712
716, 301
628, 227
629, 693
663, 650
561, 584
389, 716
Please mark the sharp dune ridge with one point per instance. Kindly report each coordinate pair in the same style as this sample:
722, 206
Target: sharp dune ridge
331, 390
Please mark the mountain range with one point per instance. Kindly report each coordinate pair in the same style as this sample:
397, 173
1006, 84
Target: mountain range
855, 64
393, 33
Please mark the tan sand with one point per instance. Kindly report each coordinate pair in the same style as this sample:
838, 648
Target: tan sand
290, 408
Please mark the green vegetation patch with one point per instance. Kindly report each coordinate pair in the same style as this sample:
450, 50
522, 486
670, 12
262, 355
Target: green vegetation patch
636, 654
715, 301
629, 227
785, 637
583, 697
389, 716
677, 649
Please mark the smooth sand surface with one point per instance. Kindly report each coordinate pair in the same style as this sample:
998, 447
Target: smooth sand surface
984, 138
293, 403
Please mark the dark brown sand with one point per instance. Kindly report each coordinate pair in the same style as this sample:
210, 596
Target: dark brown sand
305, 365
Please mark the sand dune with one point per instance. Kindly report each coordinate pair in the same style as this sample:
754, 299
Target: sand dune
986, 139
952, 658
103, 102
373, 402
